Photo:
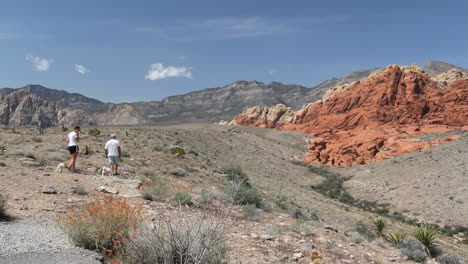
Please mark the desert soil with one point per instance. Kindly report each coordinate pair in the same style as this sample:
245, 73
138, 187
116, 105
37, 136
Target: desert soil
266, 156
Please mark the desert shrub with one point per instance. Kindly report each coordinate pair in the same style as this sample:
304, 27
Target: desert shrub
146, 172
178, 151
413, 250
281, 203
449, 259
298, 214
30, 155
379, 225
244, 194
3, 215
94, 132
206, 197
155, 192
183, 198
363, 229
178, 172
102, 224
396, 237
125, 154
234, 173
193, 152
158, 148
249, 211
80, 190
426, 234
177, 240
36, 139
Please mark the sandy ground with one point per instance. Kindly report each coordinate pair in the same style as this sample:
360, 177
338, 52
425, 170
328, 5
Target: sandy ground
265, 155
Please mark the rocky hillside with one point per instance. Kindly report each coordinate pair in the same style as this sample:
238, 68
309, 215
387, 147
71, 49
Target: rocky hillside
375, 118
207, 105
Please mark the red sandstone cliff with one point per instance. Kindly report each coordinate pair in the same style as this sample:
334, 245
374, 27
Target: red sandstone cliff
375, 118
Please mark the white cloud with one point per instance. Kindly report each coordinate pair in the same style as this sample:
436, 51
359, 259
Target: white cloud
158, 71
38, 63
81, 69
272, 71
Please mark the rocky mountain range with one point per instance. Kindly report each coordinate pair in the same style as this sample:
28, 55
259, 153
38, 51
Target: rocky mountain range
34, 104
374, 118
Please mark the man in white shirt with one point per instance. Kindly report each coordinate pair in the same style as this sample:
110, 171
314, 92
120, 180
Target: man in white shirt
113, 153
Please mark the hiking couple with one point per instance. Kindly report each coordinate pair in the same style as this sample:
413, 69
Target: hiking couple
112, 150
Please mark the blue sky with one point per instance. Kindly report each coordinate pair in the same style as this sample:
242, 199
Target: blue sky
137, 50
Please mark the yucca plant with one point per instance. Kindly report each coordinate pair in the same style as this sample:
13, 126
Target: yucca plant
395, 237
426, 234
379, 226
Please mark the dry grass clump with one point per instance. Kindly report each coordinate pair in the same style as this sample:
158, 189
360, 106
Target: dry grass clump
157, 191
181, 239
102, 224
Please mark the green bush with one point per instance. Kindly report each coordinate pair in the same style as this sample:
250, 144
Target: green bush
158, 148
234, 173
146, 172
298, 214
206, 197
183, 198
80, 190
245, 194
178, 151
125, 154
94, 132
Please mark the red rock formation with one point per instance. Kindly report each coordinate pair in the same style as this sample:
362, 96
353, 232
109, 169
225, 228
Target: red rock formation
376, 118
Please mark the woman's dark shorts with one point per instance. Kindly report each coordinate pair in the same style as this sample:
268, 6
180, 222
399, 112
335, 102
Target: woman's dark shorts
73, 149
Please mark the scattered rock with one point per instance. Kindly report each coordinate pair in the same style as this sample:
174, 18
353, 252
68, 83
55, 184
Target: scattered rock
106, 189
2, 164
48, 190
30, 163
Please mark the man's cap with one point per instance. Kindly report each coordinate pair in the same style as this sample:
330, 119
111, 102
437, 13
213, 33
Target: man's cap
113, 135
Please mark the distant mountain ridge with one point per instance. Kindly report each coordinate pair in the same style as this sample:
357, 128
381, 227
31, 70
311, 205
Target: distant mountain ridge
206, 105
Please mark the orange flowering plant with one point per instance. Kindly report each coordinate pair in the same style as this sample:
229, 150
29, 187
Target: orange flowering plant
102, 224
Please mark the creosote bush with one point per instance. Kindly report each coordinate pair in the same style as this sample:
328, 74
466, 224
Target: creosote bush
234, 173
94, 132
102, 224
176, 240
178, 151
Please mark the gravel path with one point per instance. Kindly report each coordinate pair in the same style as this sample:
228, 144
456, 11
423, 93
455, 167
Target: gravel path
24, 242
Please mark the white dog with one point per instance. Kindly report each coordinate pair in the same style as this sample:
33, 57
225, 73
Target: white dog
60, 167
105, 171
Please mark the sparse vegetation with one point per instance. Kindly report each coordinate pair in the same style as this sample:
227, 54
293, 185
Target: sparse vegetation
146, 172
449, 259
395, 237
178, 151
125, 154
363, 229
30, 156
183, 198
36, 139
158, 148
244, 194
379, 224
181, 240
206, 197
234, 173
249, 211
155, 192
94, 132
298, 214
80, 190
426, 234
102, 224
